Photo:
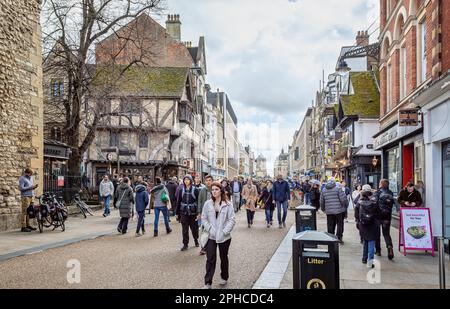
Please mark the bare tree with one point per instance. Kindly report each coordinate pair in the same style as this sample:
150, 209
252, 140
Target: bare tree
71, 29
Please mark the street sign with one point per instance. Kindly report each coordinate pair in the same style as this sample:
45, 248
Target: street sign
408, 117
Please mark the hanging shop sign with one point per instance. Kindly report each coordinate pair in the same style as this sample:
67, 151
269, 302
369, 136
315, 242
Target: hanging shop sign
408, 117
415, 230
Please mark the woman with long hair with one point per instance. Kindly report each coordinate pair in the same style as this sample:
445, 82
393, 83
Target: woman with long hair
250, 195
218, 221
269, 206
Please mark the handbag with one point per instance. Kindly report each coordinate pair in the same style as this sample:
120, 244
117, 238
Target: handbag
164, 198
120, 201
204, 237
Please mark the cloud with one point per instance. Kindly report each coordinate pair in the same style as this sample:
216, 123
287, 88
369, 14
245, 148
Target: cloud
268, 55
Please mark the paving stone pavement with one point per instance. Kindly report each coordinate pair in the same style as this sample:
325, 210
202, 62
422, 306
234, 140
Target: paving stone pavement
124, 261
415, 271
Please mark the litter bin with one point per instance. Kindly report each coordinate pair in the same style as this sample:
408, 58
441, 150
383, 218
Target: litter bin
315, 268
305, 218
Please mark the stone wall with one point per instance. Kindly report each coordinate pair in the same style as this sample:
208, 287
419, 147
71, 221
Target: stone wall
21, 110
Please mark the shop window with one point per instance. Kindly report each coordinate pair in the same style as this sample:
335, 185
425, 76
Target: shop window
419, 161
114, 139
143, 141
393, 170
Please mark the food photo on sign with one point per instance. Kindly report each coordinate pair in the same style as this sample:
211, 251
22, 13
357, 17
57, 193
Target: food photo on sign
416, 229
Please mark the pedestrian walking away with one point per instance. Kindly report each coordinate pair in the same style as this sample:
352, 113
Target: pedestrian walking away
236, 189
385, 202
26, 188
125, 201
334, 203
142, 201
347, 193
188, 211
281, 196
161, 205
267, 198
218, 219
172, 186
250, 194
315, 194
366, 216
106, 191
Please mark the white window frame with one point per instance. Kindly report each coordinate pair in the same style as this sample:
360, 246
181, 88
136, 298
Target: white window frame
402, 72
389, 87
421, 52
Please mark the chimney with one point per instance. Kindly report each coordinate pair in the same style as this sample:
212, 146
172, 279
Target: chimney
362, 39
173, 27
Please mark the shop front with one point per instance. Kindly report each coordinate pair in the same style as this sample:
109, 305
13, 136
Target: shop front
402, 159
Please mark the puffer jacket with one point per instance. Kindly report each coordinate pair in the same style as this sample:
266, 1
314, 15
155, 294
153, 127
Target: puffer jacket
157, 193
333, 200
125, 200
142, 198
219, 228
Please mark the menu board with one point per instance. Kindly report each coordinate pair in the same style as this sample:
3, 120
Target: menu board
416, 232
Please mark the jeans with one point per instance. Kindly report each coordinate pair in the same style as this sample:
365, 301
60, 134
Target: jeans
386, 228
369, 250
211, 258
283, 205
123, 225
165, 212
307, 198
106, 200
250, 216
140, 225
186, 223
236, 201
333, 221
269, 215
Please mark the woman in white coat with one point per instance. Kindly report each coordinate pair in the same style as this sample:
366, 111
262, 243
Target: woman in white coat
218, 221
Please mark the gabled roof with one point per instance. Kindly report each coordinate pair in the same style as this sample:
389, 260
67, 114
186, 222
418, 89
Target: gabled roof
141, 81
211, 98
365, 102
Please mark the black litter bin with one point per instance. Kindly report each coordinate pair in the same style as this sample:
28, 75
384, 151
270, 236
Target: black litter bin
305, 218
315, 268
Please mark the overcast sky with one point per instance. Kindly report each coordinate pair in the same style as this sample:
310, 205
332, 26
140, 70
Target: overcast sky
268, 55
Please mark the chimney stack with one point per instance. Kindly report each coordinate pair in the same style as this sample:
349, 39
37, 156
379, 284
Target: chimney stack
362, 39
173, 27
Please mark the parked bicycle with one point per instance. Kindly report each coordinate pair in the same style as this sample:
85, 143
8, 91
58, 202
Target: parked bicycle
82, 206
51, 211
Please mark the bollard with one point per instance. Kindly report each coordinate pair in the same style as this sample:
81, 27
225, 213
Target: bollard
441, 249
316, 268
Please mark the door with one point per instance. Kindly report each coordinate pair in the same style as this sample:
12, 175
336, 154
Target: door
446, 187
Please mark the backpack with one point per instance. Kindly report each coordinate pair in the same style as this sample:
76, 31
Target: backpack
188, 209
386, 203
366, 217
164, 197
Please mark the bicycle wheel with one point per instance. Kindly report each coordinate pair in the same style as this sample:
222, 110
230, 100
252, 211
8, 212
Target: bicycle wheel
40, 222
81, 208
87, 209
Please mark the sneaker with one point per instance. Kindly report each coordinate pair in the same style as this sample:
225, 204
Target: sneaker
202, 252
271, 222
268, 226
207, 287
138, 234
31, 228
197, 244
119, 230
223, 282
25, 230
143, 232
280, 226
104, 215
169, 230
390, 253
184, 248
284, 224
249, 226
155, 233
378, 253
370, 264
364, 261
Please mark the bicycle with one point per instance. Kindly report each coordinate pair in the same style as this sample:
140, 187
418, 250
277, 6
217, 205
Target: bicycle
82, 206
56, 209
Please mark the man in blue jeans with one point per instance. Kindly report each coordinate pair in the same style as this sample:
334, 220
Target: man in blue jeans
281, 197
306, 188
160, 206
106, 191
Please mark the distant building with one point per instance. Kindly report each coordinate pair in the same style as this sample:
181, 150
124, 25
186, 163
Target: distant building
281, 165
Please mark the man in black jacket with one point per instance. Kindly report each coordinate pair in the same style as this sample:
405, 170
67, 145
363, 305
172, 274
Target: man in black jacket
385, 200
172, 186
188, 211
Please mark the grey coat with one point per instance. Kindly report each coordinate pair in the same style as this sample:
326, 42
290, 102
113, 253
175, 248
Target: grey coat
125, 200
157, 193
219, 228
333, 200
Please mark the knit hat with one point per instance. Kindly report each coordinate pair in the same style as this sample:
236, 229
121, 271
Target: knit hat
367, 188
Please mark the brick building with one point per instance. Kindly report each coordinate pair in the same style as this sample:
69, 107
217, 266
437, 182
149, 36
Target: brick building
414, 68
21, 111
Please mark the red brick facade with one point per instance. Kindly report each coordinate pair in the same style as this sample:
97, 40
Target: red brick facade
400, 29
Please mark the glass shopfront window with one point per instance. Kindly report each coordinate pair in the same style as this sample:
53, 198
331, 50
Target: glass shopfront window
394, 170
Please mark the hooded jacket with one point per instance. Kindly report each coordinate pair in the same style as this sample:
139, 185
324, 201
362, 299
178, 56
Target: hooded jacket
189, 198
157, 193
125, 200
333, 200
142, 198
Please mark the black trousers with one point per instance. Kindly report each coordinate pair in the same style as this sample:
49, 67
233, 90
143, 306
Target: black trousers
250, 216
211, 258
186, 223
123, 225
333, 221
386, 229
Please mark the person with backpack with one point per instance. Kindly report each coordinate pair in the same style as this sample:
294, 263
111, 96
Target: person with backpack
385, 200
315, 194
188, 211
142, 200
161, 203
125, 201
367, 215
334, 203
218, 219
267, 199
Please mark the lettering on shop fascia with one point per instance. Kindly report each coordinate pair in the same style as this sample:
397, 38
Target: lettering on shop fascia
386, 138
